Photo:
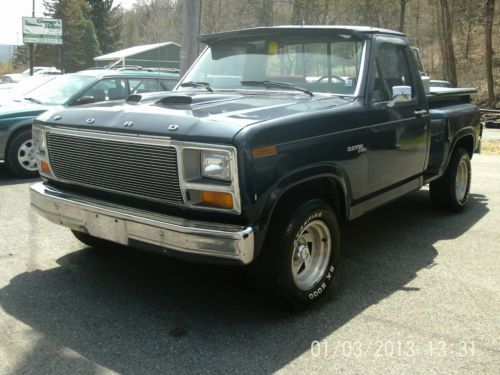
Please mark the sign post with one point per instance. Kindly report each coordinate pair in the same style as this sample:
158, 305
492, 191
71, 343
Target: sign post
191, 13
38, 30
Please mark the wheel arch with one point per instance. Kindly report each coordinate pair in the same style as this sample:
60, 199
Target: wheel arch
466, 141
331, 186
16, 129
326, 187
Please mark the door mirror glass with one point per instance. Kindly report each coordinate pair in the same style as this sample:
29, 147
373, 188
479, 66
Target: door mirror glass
84, 100
400, 94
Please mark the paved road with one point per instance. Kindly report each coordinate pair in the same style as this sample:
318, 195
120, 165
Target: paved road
419, 292
491, 134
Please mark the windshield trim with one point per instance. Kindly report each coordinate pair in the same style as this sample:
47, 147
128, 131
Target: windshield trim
361, 73
317, 94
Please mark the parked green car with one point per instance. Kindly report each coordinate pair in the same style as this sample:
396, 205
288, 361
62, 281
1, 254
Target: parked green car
85, 87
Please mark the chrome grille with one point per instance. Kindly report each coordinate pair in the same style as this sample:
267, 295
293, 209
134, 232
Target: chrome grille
139, 169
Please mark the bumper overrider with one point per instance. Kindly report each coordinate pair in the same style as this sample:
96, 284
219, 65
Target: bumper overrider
129, 226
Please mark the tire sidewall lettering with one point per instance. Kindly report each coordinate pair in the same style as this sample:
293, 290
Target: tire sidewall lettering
316, 215
328, 276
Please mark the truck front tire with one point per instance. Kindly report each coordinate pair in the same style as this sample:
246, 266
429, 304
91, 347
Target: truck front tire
451, 191
299, 259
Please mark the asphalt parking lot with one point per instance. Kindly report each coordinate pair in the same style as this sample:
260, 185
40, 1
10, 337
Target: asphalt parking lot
419, 292
491, 134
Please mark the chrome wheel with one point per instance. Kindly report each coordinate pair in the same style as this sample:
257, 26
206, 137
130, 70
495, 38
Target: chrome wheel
26, 156
311, 254
462, 180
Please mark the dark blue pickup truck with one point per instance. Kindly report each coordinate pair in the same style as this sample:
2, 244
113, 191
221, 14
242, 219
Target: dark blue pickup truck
273, 137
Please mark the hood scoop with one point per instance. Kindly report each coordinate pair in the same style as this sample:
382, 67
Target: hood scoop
176, 100
184, 101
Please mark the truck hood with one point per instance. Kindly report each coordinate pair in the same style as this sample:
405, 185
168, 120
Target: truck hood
210, 117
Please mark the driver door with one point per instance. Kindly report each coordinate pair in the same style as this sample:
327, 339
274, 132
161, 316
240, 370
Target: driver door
397, 139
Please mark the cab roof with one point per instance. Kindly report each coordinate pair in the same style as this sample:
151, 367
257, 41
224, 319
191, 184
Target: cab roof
294, 30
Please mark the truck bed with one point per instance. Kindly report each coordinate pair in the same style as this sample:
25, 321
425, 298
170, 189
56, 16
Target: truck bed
440, 94
450, 110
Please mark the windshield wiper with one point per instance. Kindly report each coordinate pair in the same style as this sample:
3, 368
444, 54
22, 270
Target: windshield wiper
33, 100
277, 84
205, 85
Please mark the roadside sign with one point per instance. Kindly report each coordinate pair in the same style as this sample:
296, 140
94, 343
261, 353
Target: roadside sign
42, 30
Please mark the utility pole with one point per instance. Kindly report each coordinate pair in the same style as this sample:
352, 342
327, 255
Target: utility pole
191, 17
31, 44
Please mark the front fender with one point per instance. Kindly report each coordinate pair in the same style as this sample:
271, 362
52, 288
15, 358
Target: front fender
325, 172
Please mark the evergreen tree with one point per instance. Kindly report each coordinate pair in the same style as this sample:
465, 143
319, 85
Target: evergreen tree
107, 21
79, 37
21, 57
80, 44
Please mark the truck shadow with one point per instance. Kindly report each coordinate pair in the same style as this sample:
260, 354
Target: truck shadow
7, 178
135, 312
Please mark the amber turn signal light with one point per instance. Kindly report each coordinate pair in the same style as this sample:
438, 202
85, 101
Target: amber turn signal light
264, 151
217, 199
44, 167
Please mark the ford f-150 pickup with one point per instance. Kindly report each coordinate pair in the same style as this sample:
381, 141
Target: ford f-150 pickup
272, 138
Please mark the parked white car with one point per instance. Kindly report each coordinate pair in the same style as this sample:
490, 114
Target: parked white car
37, 70
11, 91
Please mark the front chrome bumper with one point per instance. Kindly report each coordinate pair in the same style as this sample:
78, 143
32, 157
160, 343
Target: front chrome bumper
124, 225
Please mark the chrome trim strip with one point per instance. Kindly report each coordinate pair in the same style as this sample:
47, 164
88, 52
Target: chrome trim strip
362, 64
385, 197
130, 138
121, 224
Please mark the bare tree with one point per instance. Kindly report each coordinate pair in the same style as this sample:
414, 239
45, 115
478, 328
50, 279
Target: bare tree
265, 13
448, 54
211, 14
469, 29
310, 12
449, 33
489, 9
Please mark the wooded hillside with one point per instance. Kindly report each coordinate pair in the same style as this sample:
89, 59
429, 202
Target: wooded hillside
450, 33
459, 40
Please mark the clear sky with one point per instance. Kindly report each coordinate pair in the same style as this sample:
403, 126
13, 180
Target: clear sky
12, 12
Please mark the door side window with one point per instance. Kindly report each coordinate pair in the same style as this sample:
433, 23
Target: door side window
108, 89
141, 85
380, 91
167, 84
391, 69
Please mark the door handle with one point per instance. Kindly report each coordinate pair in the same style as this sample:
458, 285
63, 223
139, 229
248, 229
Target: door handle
422, 113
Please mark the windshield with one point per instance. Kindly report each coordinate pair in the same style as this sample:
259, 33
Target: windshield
19, 90
59, 89
329, 66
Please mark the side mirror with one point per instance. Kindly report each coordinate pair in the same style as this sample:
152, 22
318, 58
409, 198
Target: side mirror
400, 94
426, 81
84, 100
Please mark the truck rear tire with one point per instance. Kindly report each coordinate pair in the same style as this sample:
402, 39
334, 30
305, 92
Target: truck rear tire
95, 242
451, 191
298, 263
20, 155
